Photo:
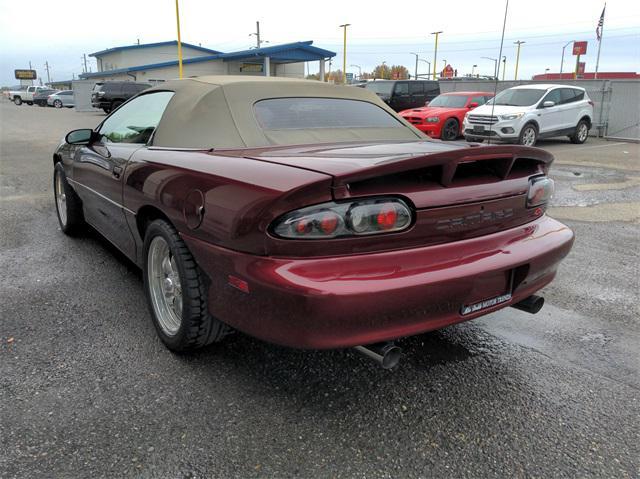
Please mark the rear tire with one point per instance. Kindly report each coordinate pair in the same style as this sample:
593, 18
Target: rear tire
176, 291
450, 130
30, 103
528, 135
114, 105
581, 134
107, 110
68, 203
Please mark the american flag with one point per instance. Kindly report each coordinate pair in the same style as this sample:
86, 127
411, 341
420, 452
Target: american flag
600, 24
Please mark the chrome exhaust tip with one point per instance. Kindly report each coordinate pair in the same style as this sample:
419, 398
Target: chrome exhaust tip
532, 304
386, 354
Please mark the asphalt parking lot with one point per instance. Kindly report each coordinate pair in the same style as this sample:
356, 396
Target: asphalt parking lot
88, 390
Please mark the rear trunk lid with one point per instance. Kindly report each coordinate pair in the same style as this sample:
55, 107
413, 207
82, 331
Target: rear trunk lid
458, 190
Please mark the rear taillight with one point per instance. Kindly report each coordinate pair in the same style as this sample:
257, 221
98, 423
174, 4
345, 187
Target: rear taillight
540, 191
334, 220
591, 103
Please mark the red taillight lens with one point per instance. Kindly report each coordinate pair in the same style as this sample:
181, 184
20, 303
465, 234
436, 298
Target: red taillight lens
540, 191
333, 220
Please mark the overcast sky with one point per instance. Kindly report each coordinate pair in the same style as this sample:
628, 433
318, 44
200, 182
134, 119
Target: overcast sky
381, 31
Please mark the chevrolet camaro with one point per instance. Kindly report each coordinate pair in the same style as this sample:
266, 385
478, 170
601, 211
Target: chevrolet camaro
307, 214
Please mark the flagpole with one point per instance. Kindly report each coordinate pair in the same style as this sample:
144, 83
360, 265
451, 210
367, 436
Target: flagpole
595, 75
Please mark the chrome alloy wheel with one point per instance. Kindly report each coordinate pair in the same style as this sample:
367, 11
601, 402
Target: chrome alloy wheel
583, 131
529, 136
61, 199
164, 286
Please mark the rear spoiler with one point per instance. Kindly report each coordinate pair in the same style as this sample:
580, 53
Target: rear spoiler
502, 158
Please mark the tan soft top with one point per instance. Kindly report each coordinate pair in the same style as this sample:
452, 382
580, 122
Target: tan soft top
217, 112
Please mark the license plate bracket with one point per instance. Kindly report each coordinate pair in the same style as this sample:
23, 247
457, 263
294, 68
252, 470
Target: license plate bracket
493, 300
478, 128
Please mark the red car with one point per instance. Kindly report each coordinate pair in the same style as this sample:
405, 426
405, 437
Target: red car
443, 116
307, 214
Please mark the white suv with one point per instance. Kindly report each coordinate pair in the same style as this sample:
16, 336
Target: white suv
523, 114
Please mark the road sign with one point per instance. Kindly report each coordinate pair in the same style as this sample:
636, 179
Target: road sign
579, 48
25, 74
581, 68
349, 77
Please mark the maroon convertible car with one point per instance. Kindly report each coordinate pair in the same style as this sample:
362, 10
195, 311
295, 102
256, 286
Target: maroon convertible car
307, 214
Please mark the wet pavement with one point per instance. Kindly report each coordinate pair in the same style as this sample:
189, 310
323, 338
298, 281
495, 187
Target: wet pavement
87, 390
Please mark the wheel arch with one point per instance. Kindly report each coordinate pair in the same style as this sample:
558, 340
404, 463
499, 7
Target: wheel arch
148, 213
586, 118
533, 122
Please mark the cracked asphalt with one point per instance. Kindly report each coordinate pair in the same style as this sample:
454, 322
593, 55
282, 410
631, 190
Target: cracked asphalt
87, 390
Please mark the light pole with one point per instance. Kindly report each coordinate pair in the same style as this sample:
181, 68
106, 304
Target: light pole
359, 71
546, 70
562, 60
495, 65
504, 66
519, 42
416, 71
179, 41
428, 68
435, 53
473, 69
344, 53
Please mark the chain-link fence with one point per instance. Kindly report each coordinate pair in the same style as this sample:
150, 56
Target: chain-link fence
616, 110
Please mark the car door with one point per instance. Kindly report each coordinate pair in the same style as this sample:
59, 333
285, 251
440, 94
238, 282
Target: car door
98, 169
571, 103
400, 99
416, 91
67, 98
551, 118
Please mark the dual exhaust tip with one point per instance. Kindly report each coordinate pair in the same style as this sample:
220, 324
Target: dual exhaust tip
388, 354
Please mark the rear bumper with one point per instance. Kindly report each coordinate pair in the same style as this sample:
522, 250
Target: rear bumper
345, 301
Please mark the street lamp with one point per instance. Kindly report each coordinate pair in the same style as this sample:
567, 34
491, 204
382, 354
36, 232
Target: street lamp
495, 65
504, 66
428, 68
473, 69
344, 53
435, 53
359, 71
546, 70
519, 42
562, 60
417, 59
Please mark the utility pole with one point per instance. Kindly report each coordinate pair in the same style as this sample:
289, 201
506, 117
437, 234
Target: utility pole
257, 35
84, 60
519, 42
473, 68
344, 52
46, 67
30, 65
428, 67
435, 53
179, 41
562, 59
415, 76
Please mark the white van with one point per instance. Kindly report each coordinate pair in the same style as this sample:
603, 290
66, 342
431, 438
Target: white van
523, 114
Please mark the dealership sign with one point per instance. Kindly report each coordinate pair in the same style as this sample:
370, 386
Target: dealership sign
581, 68
252, 68
25, 74
579, 48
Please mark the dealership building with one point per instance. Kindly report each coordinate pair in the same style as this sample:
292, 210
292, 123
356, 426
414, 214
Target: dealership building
157, 62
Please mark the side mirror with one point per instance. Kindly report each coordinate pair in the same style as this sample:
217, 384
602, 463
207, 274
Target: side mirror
84, 136
473, 105
548, 104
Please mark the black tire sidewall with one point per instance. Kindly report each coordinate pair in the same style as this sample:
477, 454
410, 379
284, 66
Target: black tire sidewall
17, 101
444, 127
163, 229
576, 137
73, 204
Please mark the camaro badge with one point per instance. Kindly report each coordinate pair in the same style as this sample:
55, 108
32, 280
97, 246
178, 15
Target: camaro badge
472, 308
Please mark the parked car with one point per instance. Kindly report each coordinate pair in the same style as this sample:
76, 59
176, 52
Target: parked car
404, 94
525, 113
307, 214
26, 96
7, 93
443, 116
61, 98
41, 97
110, 95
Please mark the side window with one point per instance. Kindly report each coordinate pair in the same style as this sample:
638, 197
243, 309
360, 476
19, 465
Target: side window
401, 89
135, 121
480, 100
579, 95
568, 95
416, 88
130, 89
554, 96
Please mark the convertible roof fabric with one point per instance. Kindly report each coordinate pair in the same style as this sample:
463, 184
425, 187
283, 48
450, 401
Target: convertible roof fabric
217, 112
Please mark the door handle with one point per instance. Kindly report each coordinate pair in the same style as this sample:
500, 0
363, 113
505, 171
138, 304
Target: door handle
117, 171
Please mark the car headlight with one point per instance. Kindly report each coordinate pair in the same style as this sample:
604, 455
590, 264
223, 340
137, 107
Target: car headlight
512, 116
432, 119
